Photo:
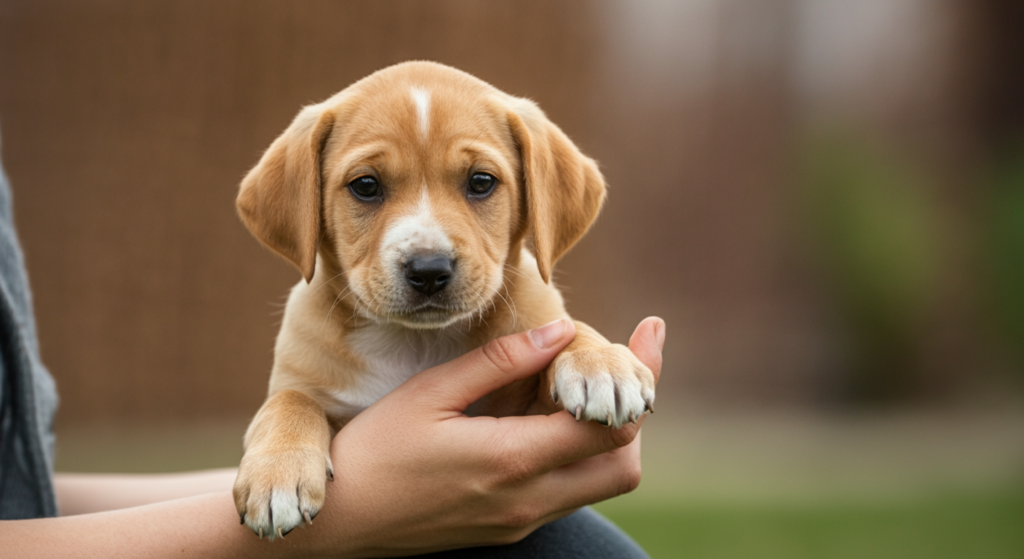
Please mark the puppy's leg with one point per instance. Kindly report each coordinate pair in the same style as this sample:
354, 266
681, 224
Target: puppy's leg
281, 480
597, 380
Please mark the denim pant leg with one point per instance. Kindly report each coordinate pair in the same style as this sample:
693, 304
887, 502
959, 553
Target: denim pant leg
581, 535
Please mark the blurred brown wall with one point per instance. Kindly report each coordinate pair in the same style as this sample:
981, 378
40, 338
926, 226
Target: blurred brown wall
127, 126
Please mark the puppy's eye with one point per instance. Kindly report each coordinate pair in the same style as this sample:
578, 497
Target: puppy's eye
481, 184
365, 188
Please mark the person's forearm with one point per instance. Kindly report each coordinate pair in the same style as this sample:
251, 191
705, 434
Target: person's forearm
204, 526
86, 493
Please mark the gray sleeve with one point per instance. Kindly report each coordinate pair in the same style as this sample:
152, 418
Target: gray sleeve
28, 396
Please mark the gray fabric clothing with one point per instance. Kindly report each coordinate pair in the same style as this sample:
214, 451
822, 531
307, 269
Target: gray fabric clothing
28, 396
581, 535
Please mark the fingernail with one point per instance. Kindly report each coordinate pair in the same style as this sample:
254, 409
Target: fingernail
548, 335
659, 333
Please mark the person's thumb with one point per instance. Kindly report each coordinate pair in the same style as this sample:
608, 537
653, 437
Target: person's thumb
498, 363
647, 342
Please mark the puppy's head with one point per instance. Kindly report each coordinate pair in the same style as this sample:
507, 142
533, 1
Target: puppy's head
418, 181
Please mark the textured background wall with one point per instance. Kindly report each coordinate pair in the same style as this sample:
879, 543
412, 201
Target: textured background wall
127, 126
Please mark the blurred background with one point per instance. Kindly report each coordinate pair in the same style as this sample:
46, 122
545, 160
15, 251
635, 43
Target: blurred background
823, 198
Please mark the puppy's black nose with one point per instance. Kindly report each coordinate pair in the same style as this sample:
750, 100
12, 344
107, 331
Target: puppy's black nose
428, 274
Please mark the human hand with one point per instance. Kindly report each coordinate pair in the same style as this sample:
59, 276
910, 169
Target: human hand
414, 474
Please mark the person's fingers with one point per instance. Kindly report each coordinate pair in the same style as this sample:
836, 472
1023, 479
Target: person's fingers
545, 442
564, 490
460, 382
556, 440
594, 479
647, 342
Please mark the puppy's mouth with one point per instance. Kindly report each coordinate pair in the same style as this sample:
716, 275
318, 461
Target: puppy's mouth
428, 314
431, 316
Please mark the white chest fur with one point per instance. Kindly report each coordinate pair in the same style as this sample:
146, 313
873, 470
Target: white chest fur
392, 354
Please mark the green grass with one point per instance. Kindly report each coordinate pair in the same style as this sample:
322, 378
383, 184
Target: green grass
953, 526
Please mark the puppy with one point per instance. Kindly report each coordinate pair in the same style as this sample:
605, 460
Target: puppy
425, 210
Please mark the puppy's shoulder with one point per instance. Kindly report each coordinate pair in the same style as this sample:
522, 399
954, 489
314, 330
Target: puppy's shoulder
535, 301
311, 347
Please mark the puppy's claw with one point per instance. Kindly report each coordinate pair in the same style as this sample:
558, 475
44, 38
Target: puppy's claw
554, 396
632, 418
242, 516
280, 534
648, 407
261, 533
330, 475
579, 412
305, 514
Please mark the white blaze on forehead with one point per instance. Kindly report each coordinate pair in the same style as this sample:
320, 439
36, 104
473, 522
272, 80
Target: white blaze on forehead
417, 231
422, 99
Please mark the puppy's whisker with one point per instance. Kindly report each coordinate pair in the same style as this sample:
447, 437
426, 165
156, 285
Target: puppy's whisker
337, 300
516, 271
492, 305
437, 342
509, 308
342, 293
376, 309
511, 305
319, 287
359, 302
331, 310
370, 306
483, 309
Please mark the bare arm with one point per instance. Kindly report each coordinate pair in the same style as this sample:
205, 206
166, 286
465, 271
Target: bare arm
413, 474
85, 493
203, 526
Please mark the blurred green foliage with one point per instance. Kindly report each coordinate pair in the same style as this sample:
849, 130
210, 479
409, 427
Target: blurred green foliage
1005, 219
873, 227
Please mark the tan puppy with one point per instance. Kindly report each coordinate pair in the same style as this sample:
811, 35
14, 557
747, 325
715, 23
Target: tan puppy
408, 201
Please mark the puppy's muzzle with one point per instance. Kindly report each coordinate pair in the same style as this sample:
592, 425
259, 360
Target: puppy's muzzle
428, 274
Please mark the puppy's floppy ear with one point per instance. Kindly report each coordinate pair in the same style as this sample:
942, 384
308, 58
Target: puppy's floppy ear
564, 188
280, 198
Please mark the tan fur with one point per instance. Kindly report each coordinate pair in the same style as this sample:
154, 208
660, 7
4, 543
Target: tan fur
353, 331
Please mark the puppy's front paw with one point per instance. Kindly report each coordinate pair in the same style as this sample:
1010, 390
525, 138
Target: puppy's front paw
276, 490
607, 384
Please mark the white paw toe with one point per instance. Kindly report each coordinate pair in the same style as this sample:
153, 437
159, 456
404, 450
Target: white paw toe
608, 385
273, 498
